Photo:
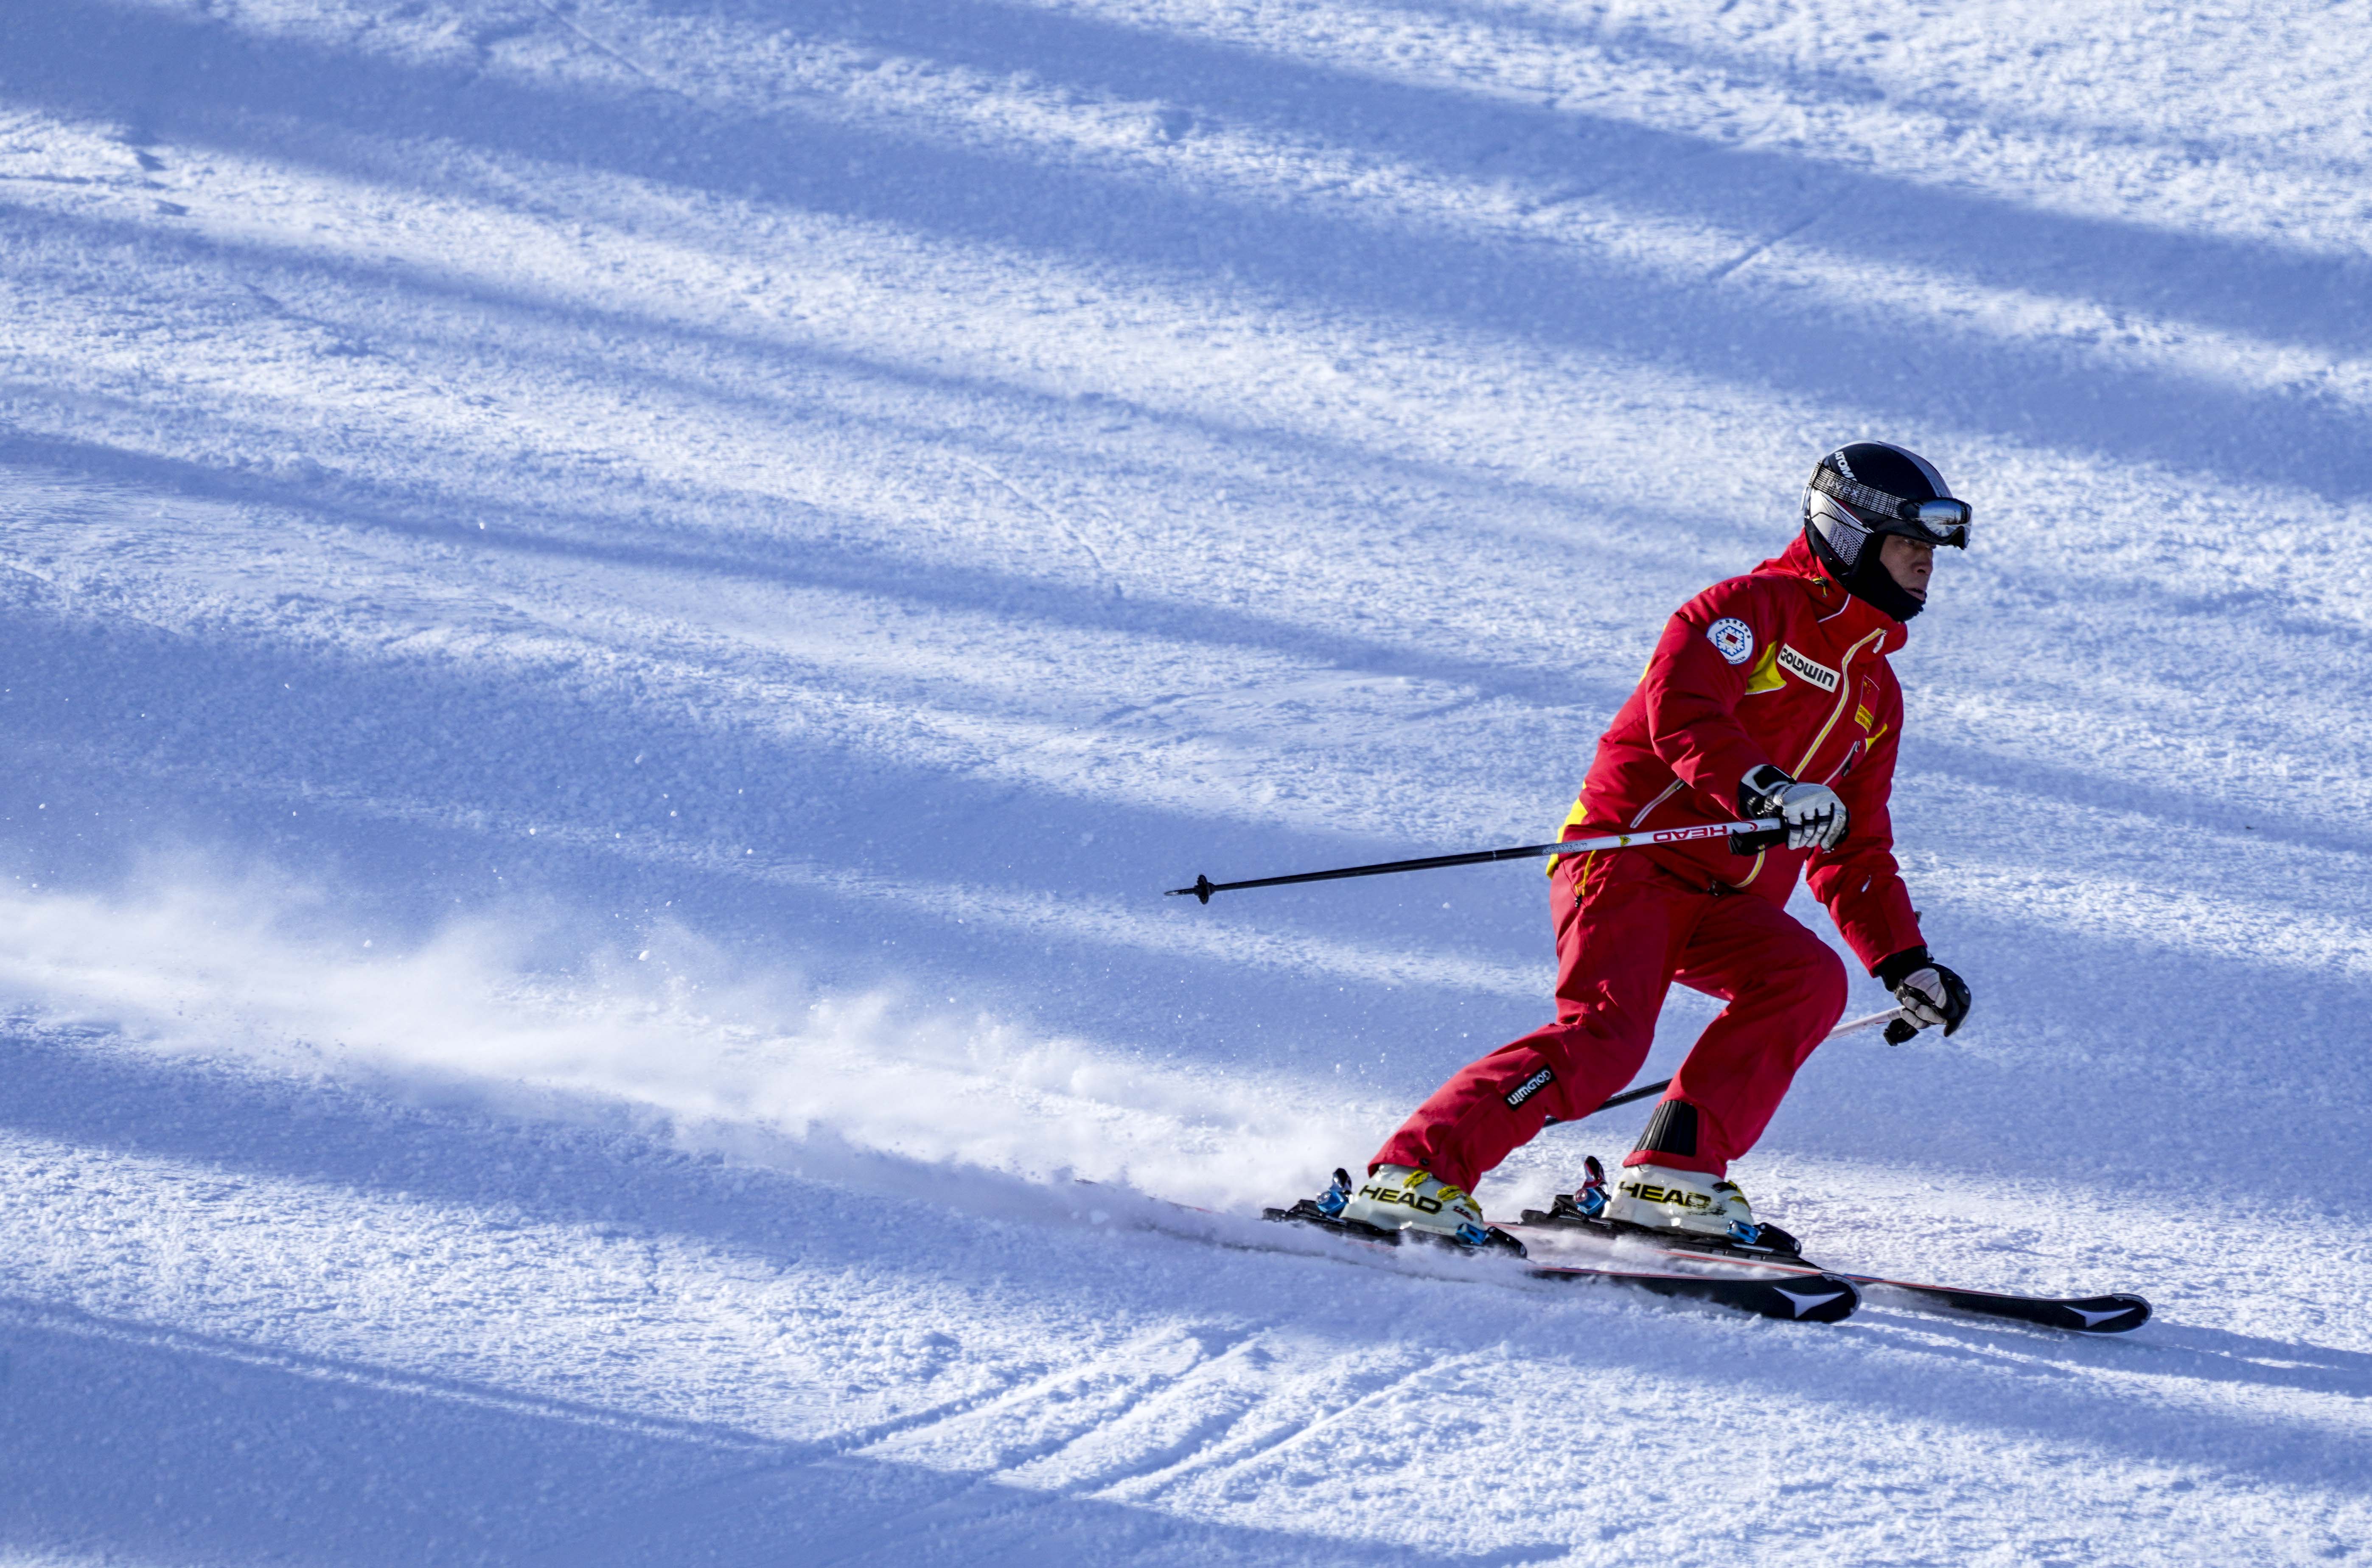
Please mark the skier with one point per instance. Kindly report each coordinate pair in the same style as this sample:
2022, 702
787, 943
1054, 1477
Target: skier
1768, 696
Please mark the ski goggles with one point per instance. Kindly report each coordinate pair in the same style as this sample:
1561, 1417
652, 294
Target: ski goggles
1940, 521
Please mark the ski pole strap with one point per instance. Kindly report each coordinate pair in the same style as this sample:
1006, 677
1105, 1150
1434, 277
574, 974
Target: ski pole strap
1894, 1018
1748, 837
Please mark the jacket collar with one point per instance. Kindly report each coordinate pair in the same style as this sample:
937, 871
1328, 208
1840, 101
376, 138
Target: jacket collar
1847, 618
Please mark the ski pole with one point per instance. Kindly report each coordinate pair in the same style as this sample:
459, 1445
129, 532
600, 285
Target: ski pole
1899, 1027
1745, 838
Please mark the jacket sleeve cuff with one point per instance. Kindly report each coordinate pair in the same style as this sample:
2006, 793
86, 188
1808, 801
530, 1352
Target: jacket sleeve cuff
1892, 971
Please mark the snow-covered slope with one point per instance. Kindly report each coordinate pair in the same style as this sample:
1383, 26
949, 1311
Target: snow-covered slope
617, 612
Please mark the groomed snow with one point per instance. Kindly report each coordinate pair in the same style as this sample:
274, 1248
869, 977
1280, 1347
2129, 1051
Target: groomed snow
617, 612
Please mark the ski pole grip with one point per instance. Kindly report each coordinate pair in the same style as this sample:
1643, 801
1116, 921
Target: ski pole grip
1775, 837
1899, 1031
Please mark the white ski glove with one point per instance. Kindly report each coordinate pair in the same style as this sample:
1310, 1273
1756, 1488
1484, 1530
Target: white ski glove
1814, 817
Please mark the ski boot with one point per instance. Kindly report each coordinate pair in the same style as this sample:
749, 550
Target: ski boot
1694, 1207
1398, 1204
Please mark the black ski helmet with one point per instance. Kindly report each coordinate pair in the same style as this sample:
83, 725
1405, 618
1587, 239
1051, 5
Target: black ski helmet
1869, 488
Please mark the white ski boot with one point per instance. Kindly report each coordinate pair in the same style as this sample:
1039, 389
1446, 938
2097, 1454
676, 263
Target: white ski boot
1687, 1201
1397, 1198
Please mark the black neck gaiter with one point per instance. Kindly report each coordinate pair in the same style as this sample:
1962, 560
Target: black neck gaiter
1866, 579
1870, 582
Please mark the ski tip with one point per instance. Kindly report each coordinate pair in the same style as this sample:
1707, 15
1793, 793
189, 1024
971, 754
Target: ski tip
2114, 1314
1824, 1300
2103, 1314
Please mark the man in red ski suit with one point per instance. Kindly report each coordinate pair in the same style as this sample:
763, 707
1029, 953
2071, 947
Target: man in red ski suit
1770, 695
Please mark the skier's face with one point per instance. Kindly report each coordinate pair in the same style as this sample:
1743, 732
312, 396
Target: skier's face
1908, 561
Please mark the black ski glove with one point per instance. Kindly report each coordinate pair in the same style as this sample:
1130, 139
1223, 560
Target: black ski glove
1929, 992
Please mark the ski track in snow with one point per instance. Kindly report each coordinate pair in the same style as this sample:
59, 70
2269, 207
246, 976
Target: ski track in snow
617, 612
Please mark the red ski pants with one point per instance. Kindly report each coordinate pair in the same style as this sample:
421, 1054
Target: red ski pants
1625, 930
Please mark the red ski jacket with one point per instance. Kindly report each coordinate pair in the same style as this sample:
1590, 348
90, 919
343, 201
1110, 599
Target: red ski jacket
1780, 666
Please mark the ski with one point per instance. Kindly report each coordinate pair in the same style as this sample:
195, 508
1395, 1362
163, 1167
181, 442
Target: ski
2115, 1313
1803, 1296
